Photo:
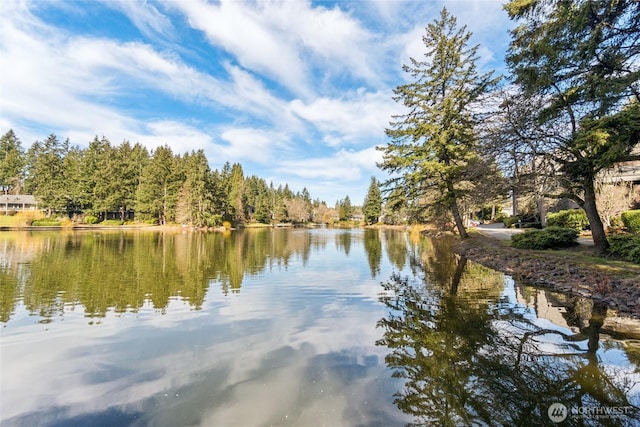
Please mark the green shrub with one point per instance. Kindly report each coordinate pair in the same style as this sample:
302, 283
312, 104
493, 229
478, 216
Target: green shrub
45, 222
625, 246
616, 223
549, 238
90, 219
570, 218
500, 217
111, 222
509, 221
532, 225
213, 220
631, 220
518, 221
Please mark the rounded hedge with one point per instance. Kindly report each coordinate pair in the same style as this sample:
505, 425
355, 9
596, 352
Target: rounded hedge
45, 222
90, 219
631, 221
570, 218
549, 238
625, 246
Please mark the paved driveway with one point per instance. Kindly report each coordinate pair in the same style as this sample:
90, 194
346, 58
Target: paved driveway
499, 231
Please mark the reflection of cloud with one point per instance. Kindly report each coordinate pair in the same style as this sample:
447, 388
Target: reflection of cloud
238, 365
293, 343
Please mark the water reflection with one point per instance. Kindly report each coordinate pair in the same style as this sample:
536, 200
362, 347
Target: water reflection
261, 327
396, 248
121, 271
373, 248
470, 354
279, 327
124, 270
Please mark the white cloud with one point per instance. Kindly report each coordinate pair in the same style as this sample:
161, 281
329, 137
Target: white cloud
289, 40
335, 37
145, 16
40, 84
180, 137
241, 29
345, 165
256, 145
354, 118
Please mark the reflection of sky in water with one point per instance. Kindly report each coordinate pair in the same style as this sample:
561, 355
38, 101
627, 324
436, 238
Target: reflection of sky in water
611, 357
295, 346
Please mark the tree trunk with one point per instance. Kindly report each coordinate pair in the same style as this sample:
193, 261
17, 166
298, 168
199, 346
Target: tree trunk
458, 218
542, 211
457, 275
597, 227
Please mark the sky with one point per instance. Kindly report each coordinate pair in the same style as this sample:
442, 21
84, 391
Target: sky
298, 92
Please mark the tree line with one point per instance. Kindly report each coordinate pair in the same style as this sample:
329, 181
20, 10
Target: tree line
567, 112
125, 181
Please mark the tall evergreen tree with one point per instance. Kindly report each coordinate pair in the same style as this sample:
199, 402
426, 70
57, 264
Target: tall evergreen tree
433, 143
257, 198
45, 173
77, 186
236, 194
279, 204
372, 206
126, 169
12, 162
344, 208
195, 194
100, 169
160, 182
218, 195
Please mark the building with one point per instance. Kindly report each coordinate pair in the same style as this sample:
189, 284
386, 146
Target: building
627, 171
18, 202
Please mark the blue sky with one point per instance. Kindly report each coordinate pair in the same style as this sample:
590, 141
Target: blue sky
298, 92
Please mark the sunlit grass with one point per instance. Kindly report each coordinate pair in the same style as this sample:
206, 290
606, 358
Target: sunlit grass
20, 219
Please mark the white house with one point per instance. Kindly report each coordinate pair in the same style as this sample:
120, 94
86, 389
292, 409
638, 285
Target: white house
18, 202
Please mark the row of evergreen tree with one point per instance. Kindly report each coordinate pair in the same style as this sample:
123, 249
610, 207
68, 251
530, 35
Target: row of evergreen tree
127, 181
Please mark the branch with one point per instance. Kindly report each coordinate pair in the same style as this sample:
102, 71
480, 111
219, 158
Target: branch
528, 335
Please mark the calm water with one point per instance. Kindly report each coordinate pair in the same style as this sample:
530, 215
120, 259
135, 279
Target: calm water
294, 327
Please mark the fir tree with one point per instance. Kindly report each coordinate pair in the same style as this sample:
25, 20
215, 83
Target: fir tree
372, 206
433, 143
12, 161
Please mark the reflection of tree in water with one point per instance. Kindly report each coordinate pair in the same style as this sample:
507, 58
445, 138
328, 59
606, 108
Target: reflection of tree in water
373, 249
470, 358
343, 242
396, 247
122, 271
434, 341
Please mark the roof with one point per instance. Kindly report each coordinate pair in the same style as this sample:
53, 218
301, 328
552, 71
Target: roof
26, 199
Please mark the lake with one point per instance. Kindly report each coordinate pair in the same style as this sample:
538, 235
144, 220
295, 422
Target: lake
295, 327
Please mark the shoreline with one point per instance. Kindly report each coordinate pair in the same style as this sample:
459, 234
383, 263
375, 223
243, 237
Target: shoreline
575, 272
